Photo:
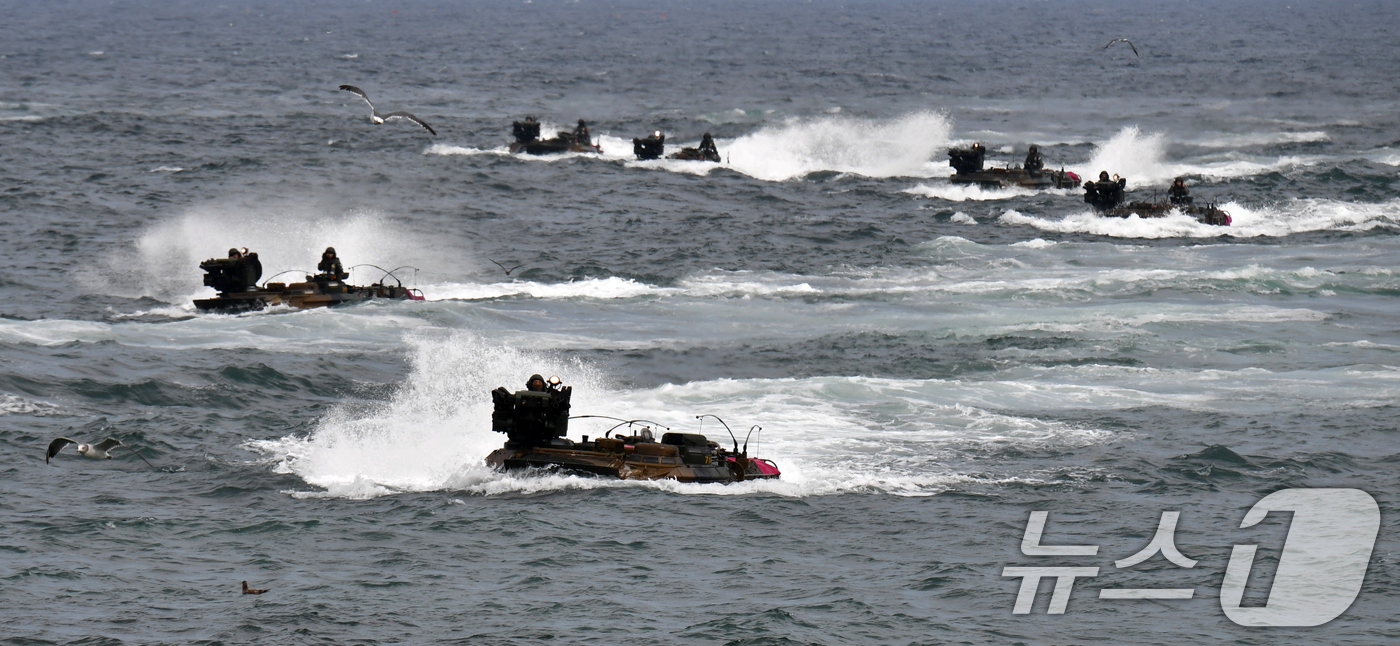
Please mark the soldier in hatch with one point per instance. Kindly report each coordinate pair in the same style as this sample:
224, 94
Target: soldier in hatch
1178, 194
708, 150
330, 265
1034, 164
253, 267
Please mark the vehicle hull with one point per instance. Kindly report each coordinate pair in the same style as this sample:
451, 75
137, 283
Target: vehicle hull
627, 462
1019, 177
556, 146
1203, 214
694, 154
303, 296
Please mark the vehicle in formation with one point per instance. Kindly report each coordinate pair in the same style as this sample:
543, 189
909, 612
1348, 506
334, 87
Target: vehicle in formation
236, 279
706, 151
527, 139
535, 422
969, 166
1108, 194
653, 146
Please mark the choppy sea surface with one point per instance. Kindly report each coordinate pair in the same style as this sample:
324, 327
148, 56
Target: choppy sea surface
929, 363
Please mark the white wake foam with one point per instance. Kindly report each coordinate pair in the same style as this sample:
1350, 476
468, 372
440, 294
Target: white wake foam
970, 192
1295, 216
901, 147
598, 288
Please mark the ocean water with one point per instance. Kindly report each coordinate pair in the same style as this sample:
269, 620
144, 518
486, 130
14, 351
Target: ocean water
929, 363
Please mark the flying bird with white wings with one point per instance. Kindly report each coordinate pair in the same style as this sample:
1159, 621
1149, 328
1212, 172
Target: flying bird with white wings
1116, 40
376, 117
99, 451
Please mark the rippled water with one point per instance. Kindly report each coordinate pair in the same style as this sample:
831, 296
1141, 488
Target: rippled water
929, 363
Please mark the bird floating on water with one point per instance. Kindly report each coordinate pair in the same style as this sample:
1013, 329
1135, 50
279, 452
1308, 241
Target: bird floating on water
1110, 44
248, 590
97, 451
381, 118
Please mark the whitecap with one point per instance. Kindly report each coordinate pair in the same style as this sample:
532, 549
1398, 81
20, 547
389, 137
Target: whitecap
16, 405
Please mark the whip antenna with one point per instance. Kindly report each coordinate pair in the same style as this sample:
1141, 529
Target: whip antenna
726, 427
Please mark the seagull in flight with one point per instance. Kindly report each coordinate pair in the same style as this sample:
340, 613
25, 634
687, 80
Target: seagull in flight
248, 590
504, 267
1110, 44
97, 451
381, 118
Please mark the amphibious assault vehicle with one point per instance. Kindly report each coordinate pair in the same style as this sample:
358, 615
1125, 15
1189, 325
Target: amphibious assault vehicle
652, 146
1107, 197
695, 154
527, 140
236, 281
536, 421
706, 151
968, 164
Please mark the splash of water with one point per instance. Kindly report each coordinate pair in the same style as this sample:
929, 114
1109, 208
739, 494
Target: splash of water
1130, 154
435, 431
873, 148
1142, 159
165, 261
